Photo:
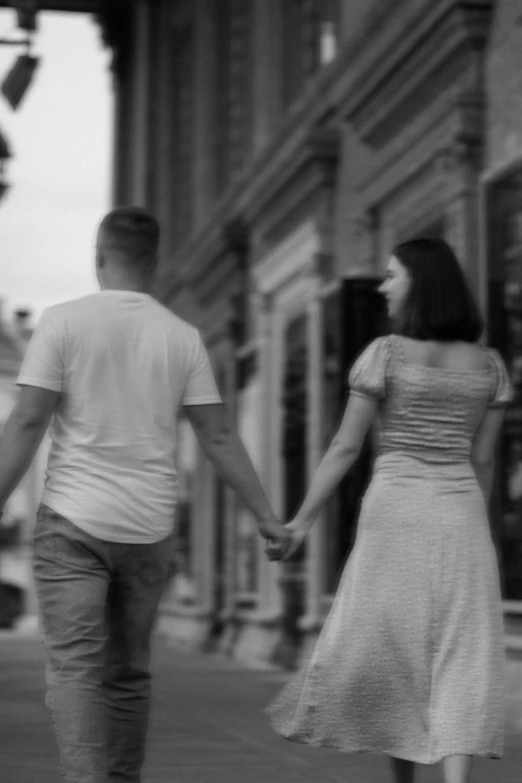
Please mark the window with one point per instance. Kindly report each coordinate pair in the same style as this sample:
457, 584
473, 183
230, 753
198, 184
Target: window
352, 318
309, 34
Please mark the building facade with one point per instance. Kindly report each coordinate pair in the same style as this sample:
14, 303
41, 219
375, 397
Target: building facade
286, 146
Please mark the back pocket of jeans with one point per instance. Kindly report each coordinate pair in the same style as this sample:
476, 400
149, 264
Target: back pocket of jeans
70, 547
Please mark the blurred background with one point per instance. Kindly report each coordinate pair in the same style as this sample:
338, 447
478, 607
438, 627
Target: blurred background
285, 146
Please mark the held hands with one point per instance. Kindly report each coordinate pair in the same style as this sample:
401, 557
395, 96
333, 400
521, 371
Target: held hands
296, 533
276, 535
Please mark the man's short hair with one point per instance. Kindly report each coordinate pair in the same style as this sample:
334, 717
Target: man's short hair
133, 234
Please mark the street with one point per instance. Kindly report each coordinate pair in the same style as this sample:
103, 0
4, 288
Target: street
207, 726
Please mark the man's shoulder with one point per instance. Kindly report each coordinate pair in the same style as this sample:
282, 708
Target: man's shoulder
64, 312
175, 321
72, 306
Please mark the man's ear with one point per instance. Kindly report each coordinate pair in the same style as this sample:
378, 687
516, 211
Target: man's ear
100, 258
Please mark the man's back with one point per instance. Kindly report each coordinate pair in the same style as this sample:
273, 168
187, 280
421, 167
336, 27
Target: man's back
123, 364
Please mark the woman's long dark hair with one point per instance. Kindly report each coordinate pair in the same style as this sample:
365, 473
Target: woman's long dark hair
439, 305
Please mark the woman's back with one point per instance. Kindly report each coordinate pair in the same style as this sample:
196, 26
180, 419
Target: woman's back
456, 355
434, 395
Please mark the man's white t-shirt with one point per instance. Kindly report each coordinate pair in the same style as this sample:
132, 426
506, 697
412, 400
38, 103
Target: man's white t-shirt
124, 365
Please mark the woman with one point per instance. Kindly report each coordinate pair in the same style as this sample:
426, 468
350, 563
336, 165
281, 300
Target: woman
410, 660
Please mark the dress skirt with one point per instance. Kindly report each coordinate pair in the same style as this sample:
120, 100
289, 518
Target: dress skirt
410, 661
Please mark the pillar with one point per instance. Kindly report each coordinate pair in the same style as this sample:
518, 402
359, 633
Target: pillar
139, 100
311, 620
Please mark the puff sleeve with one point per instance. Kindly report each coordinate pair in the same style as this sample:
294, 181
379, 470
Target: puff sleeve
367, 377
501, 387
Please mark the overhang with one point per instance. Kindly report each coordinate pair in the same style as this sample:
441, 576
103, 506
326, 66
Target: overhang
78, 6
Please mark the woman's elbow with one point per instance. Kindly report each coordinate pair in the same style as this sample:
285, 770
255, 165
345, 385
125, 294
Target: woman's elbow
345, 453
483, 461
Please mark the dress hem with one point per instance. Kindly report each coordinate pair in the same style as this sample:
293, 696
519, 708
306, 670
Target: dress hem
399, 754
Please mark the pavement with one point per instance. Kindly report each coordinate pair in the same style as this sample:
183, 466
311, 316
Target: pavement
207, 726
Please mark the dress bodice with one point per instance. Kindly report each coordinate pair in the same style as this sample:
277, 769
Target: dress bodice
429, 412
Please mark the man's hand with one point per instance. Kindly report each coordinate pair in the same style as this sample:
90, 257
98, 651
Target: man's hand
277, 538
296, 532
225, 449
272, 529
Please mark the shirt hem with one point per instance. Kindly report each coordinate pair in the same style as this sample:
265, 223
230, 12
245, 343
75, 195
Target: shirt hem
201, 400
94, 531
25, 380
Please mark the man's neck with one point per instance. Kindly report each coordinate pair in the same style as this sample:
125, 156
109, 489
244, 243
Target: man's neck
139, 286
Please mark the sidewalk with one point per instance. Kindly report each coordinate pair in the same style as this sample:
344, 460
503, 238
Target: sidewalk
206, 727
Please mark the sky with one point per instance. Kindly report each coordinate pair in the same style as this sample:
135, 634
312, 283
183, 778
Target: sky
60, 138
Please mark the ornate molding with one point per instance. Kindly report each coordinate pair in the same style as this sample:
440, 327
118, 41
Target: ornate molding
363, 230
444, 42
322, 266
300, 180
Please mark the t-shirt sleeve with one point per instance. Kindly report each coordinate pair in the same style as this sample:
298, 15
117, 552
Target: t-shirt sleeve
368, 374
501, 387
43, 365
201, 387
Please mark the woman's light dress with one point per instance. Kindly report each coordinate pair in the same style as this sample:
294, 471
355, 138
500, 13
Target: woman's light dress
410, 661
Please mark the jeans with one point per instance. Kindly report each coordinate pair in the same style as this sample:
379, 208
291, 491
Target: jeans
98, 602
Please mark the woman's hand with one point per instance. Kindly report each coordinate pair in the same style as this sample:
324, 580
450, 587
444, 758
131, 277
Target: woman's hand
297, 532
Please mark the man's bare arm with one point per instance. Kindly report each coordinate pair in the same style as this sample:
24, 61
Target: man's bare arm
22, 435
224, 448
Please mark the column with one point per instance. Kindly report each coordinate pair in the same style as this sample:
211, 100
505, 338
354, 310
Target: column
164, 137
264, 51
122, 143
311, 620
140, 62
459, 166
204, 65
230, 546
117, 33
270, 602
157, 47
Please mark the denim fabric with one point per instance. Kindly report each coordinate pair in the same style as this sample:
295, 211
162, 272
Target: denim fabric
98, 602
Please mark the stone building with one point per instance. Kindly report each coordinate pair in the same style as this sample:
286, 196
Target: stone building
286, 146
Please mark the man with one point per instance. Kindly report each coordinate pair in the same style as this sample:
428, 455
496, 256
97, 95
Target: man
112, 370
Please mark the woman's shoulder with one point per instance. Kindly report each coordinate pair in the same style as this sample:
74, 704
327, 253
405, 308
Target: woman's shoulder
469, 356
463, 356
377, 351
367, 375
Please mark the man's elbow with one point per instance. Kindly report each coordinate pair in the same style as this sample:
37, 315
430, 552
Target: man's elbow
214, 441
30, 419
